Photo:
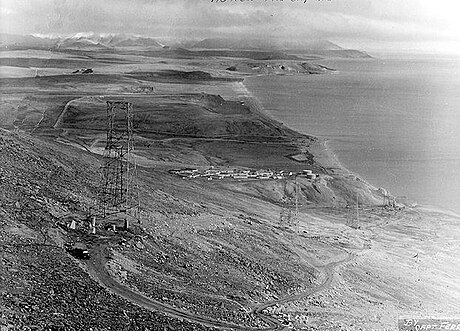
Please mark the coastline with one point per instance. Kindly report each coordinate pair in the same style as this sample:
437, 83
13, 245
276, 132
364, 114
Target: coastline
324, 153
320, 148
428, 222
326, 156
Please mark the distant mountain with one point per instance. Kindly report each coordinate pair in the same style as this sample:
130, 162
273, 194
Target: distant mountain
320, 45
107, 40
13, 41
311, 47
342, 53
119, 41
78, 41
259, 44
177, 43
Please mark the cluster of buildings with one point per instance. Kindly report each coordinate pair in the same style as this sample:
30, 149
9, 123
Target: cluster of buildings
213, 173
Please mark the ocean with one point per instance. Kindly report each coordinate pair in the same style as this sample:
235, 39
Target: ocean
393, 121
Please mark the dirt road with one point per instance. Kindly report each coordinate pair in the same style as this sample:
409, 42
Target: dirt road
97, 268
328, 270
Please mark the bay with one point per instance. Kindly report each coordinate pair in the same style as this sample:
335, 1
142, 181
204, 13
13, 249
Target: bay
393, 121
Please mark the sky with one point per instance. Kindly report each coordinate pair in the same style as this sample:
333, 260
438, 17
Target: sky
424, 25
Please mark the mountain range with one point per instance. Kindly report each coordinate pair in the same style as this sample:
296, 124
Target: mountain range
78, 41
101, 41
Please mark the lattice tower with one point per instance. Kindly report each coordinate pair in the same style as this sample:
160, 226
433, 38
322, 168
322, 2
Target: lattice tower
119, 172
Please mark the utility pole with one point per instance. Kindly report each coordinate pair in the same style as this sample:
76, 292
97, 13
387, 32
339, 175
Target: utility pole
296, 198
357, 208
351, 221
296, 214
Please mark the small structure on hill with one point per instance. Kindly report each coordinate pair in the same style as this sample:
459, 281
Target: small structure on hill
72, 225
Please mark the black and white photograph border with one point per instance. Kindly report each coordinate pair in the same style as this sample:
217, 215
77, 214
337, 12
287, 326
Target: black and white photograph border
229, 165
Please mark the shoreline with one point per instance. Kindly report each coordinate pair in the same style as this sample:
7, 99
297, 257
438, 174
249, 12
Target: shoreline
328, 158
325, 155
331, 156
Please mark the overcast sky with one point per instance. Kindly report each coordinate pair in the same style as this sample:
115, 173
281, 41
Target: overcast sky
363, 24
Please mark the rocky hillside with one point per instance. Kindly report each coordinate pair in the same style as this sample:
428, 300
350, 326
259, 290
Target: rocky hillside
188, 253
42, 286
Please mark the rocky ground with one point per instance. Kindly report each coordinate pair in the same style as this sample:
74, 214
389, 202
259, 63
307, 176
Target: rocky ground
42, 286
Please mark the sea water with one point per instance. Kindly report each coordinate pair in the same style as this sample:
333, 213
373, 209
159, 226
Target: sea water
393, 121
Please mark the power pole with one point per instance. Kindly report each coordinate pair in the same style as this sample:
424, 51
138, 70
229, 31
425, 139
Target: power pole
357, 208
353, 217
288, 217
296, 222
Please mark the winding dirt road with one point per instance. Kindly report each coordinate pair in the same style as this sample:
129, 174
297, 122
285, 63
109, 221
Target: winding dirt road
328, 270
97, 268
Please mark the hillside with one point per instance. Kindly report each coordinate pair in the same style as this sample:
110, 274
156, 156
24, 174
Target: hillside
205, 251
42, 285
